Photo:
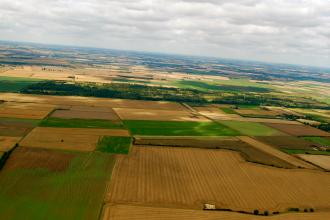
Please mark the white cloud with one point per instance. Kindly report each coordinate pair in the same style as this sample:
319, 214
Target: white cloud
293, 31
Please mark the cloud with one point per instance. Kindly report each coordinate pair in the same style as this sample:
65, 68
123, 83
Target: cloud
293, 31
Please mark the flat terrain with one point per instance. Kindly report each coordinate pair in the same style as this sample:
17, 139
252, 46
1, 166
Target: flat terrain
91, 101
7, 143
78, 139
288, 142
276, 153
188, 178
80, 123
252, 128
319, 160
43, 184
248, 152
13, 127
101, 115
178, 128
257, 112
9, 110
158, 115
129, 212
298, 130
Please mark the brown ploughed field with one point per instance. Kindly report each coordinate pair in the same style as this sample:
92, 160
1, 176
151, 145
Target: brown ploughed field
102, 115
298, 130
287, 142
189, 178
319, 160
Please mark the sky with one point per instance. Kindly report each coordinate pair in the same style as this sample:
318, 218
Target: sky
286, 31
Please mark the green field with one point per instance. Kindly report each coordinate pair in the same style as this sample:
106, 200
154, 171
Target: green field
302, 151
228, 110
15, 84
115, 145
251, 128
79, 123
318, 140
178, 128
40, 189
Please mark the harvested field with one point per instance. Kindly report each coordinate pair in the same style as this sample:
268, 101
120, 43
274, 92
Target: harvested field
23, 113
319, 160
7, 143
16, 127
129, 212
216, 113
252, 128
276, 153
298, 130
77, 139
91, 101
269, 120
74, 114
248, 152
189, 178
157, 115
287, 142
178, 128
43, 184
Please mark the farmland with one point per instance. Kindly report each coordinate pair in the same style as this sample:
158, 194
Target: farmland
191, 177
99, 134
168, 128
53, 185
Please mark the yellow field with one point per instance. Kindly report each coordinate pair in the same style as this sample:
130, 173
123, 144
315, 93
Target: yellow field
319, 160
129, 212
189, 178
7, 143
91, 101
79, 139
158, 115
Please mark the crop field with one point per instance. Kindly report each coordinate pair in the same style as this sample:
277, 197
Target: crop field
298, 130
53, 185
73, 114
7, 143
157, 115
178, 128
276, 153
131, 212
28, 111
248, 152
115, 145
216, 113
288, 142
252, 128
77, 139
319, 160
16, 127
80, 123
189, 178
319, 140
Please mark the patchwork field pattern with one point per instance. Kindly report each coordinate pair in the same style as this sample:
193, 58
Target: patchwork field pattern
28, 111
298, 130
189, 178
53, 185
77, 139
157, 115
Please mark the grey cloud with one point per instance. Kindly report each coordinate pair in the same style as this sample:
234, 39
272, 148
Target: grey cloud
272, 30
